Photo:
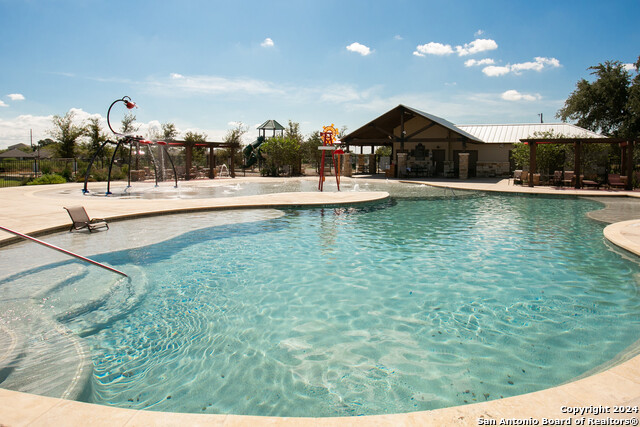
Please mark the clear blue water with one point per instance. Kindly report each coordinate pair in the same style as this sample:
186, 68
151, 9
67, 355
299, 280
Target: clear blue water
416, 303
408, 305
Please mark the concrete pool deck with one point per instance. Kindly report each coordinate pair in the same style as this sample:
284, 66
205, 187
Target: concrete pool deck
39, 209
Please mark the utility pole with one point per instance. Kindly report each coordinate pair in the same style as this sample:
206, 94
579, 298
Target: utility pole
540, 114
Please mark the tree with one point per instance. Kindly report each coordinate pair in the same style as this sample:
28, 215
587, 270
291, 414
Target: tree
128, 125
610, 104
66, 133
169, 131
45, 142
309, 149
549, 157
234, 136
280, 151
632, 126
96, 137
383, 151
193, 138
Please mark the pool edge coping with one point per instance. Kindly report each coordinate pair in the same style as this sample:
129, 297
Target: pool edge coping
618, 385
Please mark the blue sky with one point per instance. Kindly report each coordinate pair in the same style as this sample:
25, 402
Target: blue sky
205, 65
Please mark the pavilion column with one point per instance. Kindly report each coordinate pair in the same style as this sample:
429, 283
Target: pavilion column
533, 148
212, 163
629, 166
187, 161
578, 161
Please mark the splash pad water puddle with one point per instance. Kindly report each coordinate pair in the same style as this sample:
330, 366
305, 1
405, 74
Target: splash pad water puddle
404, 306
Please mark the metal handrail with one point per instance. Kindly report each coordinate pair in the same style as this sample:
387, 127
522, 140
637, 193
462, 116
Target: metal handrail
64, 251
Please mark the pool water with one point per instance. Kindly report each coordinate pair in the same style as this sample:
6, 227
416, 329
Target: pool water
411, 304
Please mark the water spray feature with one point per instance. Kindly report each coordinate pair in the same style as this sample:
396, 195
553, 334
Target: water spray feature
123, 140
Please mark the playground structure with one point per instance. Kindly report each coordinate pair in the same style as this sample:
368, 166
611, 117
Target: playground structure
122, 141
329, 136
251, 152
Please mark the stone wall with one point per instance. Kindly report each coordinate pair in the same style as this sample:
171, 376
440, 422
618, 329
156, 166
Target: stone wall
491, 169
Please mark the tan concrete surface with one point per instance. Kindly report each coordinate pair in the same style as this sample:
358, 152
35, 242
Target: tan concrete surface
32, 209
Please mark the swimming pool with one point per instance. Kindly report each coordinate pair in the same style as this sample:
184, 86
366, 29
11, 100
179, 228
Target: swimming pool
419, 303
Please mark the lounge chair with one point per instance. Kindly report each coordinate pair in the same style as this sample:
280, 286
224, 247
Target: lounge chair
589, 182
81, 220
615, 180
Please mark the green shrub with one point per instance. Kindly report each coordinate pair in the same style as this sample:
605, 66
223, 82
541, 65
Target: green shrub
48, 179
66, 173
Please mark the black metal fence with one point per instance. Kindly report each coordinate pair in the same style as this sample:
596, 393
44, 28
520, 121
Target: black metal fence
19, 172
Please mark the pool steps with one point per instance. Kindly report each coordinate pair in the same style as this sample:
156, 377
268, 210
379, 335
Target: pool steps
43, 350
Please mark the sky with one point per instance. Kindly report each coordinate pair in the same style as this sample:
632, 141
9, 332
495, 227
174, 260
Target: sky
207, 66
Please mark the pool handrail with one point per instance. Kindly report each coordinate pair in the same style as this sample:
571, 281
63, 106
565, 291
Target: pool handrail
64, 251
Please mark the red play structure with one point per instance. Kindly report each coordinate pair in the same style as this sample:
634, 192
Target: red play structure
329, 136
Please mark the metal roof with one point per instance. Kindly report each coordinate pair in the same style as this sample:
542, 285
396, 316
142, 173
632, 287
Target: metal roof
271, 125
510, 134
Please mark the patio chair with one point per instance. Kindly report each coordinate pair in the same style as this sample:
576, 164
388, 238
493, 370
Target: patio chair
517, 177
81, 220
557, 178
615, 180
568, 178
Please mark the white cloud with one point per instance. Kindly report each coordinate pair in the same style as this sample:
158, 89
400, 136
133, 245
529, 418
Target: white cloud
478, 33
397, 37
474, 62
433, 48
342, 94
2, 104
476, 46
267, 42
514, 95
493, 70
16, 130
539, 64
629, 67
359, 48
213, 85
16, 96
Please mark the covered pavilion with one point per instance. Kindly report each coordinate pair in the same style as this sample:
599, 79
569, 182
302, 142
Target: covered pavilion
433, 141
625, 145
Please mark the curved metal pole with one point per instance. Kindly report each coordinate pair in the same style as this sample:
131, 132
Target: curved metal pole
155, 166
95, 156
128, 102
175, 173
111, 165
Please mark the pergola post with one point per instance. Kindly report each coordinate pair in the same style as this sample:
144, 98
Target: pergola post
533, 148
232, 166
212, 163
629, 169
188, 155
577, 146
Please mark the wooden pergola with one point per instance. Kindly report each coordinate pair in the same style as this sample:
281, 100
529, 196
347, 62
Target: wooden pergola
626, 161
212, 157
